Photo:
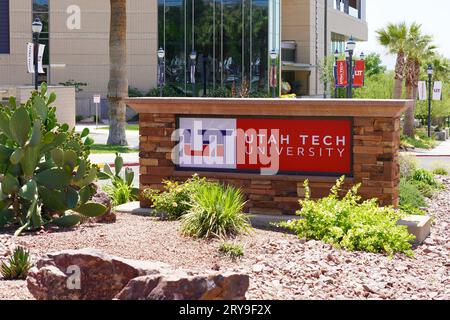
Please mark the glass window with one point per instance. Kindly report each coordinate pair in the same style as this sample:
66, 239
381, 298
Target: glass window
4, 27
229, 36
41, 10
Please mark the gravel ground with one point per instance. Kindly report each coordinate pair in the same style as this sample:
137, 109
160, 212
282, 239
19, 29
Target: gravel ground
280, 266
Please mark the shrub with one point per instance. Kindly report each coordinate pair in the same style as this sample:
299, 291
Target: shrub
426, 177
441, 172
17, 266
411, 199
234, 251
350, 224
216, 212
175, 200
121, 189
408, 165
44, 167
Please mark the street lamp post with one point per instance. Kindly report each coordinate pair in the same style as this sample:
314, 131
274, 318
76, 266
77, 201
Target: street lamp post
336, 57
430, 95
162, 71
36, 27
273, 58
351, 45
193, 57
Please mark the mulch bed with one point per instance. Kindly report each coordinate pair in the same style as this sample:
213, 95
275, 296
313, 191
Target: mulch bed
281, 266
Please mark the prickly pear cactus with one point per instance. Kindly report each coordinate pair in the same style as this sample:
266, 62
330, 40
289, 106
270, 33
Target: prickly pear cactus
45, 174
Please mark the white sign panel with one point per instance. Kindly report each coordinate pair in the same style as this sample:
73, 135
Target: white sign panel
30, 57
207, 143
40, 57
422, 90
97, 98
437, 90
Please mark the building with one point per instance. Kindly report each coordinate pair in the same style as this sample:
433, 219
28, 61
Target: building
232, 38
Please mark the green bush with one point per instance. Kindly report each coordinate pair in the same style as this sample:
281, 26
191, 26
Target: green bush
411, 199
121, 189
45, 172
419, 141
350, 223
175, 200
441, 172
17, 266
234, 251
216, 212
426, 177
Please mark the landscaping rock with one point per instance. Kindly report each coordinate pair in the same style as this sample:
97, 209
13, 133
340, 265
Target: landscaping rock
104, 199
101, 276
89, 274
181, 286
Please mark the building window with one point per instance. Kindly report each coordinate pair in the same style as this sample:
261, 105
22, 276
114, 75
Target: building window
4, 27
229, 36
41, 10
350, 7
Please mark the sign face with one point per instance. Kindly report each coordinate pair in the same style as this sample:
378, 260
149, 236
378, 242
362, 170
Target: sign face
41, 50
358, 74
97, 98
437, 90
30, 57
341, 73
268, 146
422, 89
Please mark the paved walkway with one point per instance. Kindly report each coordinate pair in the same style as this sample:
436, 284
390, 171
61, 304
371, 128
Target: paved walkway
442, 150
439, 157
100, 136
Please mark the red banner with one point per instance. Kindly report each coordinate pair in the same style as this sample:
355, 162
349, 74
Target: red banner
358, 74
341, 73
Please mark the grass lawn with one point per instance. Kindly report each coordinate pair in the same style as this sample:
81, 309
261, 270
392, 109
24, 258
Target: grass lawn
131, 127
101, 148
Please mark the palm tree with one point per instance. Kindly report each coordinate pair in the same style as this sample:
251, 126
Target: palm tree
394, 38
419, 49
118, 82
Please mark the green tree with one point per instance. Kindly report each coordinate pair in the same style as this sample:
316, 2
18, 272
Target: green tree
419, 48
374, 65
394, 38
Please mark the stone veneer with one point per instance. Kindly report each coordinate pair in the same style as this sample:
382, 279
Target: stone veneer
376, 142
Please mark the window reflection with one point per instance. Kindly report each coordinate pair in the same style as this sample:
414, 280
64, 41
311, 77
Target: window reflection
229, 36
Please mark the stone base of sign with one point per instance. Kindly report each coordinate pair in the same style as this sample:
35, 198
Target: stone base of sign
419, 226
376, 142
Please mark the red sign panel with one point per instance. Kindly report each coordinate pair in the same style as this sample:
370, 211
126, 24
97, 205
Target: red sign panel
341, 73
358, 74
299, 146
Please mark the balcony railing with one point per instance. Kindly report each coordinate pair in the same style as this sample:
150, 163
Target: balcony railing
349, 7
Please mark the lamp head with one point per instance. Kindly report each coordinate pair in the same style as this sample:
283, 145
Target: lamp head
193, 55
430, 70
336, 54
347, 53
362, 56
273, 54
36, 26
161, 53
351, 44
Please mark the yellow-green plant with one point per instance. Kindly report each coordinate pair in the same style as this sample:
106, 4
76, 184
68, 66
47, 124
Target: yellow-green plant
350, 223
17, 266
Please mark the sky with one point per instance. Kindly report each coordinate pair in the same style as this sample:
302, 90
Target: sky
434, 15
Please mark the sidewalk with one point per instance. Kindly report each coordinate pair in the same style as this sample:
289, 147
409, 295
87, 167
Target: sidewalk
442, 150
100, 136
129, 159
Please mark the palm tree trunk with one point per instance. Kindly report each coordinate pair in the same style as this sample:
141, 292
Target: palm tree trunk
118, 82
399, 75
408, 126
